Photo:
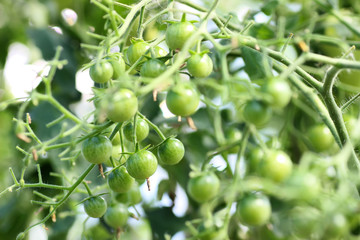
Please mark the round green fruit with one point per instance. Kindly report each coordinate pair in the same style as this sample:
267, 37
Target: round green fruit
142, 130
152, 68
254, 209
257, 112
171, 151
101, 72
204, 187
320, 138
122, 106
178, 33
200, 65
120, 181
182, 100
116, 216
95, 207
97, 149
142, 164
276, 165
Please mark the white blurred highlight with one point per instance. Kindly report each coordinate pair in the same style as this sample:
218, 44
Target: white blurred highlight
20, 76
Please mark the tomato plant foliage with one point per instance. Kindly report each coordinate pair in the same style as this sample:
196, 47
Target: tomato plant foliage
249, 127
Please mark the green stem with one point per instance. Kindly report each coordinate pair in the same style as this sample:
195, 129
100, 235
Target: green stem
157, 130
71, 190
335, 111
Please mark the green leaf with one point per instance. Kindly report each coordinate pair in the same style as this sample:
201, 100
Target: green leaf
269, 7
257, 65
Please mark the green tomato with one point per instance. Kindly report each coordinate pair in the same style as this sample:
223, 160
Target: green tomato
97, 149
101, 72
233, 135
138, 49
142, 164
95, 207
320, 138
276, 165
257, 113
142, 130
116, 216
131, 197
118, 64
253, 160
178, 33
171, 151
122, 106
120, 181
254, 209
182, 100
200, 66
204, 187
152, 68
279, 91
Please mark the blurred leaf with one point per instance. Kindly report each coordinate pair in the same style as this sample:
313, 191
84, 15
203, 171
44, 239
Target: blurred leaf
257, 65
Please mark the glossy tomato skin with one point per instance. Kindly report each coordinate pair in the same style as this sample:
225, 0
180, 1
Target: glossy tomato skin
138, 49
276, 165
142, 130
97, 149
182, 100
254, 209
320, 138
152, 68
101, 72
122, 106
253, 160
118, 65
204, 187
200, 65
131, 197
233, 135
178, 33
257, 112
279, 91
171, 151
95, 207
116, 216
120, 181
142, 164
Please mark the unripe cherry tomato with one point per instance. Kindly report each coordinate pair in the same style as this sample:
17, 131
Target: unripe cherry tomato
276, 165
142, 164
320, 138
138, 49
204, 187
122, 106
120, 181
118, 64
101, 72
254, 209
97, 149
257, 112
182, 100
178, 33
152, 68
95, 207
142, 130
171, 151
116, 216
200, 65
279, 91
